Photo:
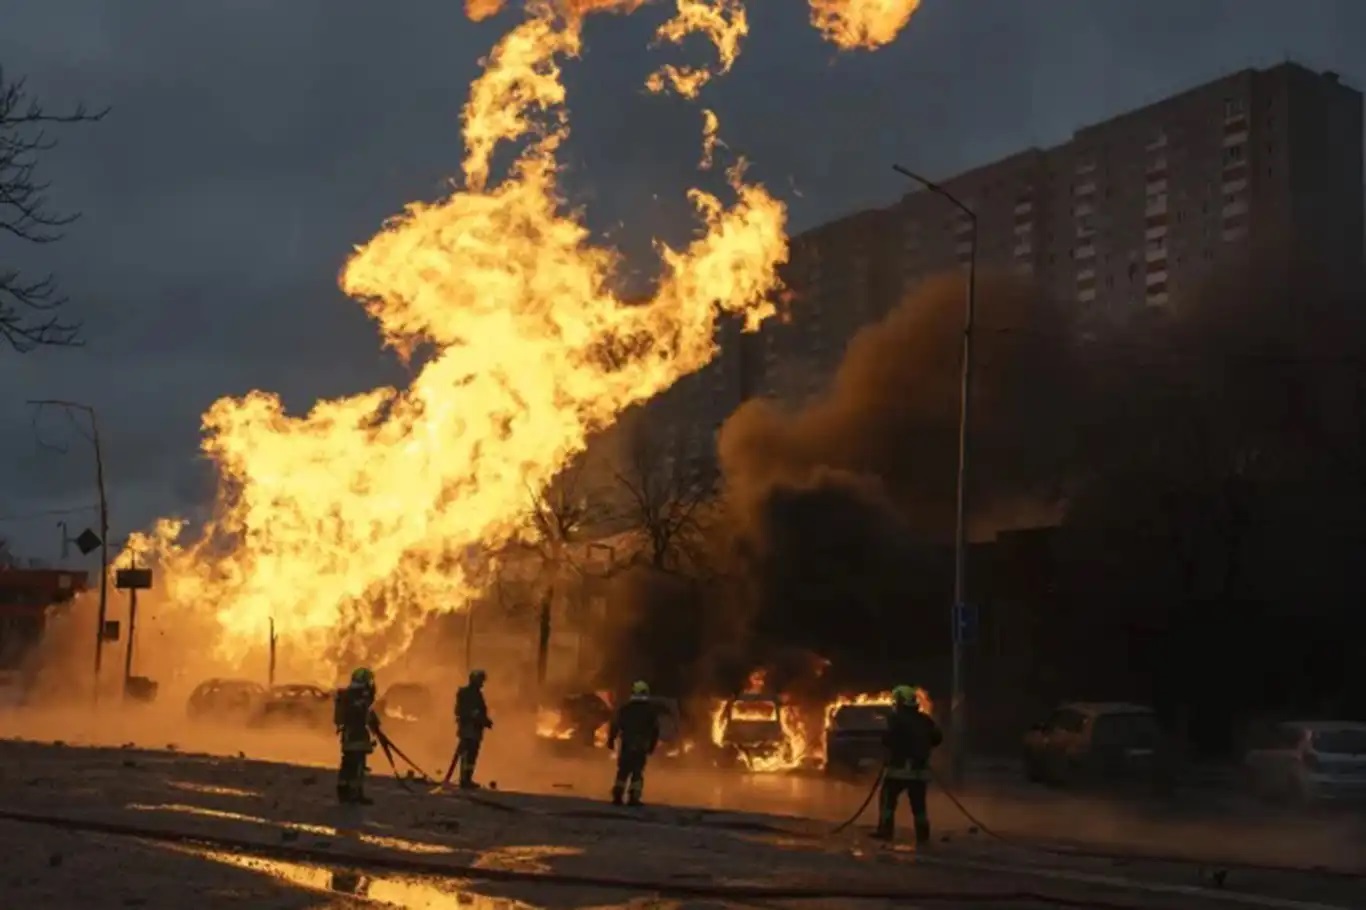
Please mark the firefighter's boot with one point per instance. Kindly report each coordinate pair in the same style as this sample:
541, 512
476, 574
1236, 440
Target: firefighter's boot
922, 832
617, 791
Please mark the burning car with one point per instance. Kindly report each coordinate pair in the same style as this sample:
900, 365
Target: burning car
300, 706
233, 700
579, 719
853, 736
749, 729
406, 703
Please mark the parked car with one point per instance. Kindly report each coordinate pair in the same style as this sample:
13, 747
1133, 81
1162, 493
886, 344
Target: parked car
230, 700
299, 706
674, 742
752, 730
1099, 744
1308, 761
407, 703
853, 739
576, 722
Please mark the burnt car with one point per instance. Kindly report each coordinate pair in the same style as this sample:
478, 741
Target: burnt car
406, 703
577, 722
1100, 743
853, 739
231, 700
297, 706
752, 732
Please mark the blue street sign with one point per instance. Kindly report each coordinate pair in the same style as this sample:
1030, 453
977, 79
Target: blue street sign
964, 624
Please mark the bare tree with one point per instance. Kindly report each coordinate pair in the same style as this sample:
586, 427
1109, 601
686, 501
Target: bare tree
30, 307
555, 520
667, 500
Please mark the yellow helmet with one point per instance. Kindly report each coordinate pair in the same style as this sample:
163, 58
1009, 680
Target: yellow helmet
905, 695
640, 688
362, 678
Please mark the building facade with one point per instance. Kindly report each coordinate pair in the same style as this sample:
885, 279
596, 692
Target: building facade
1133, 212
1130, 213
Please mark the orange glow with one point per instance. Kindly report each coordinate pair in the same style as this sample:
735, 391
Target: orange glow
351, 524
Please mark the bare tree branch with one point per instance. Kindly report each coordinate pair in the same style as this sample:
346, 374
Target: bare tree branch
29, 307
666, 500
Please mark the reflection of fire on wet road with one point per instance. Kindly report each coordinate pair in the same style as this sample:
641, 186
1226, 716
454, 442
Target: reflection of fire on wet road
378, 840
392, 890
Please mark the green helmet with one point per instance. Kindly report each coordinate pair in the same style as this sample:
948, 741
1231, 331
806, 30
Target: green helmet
905, 695
477, 677
640, 688
362, 678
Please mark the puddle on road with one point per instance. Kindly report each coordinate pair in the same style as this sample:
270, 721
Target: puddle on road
409, 893
377, 840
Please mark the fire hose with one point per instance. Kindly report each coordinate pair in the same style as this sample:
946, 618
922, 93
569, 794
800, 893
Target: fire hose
1092, 853
391, 749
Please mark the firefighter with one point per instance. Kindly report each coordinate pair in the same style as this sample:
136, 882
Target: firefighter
471, 720
637, 724
910, 738
357, 725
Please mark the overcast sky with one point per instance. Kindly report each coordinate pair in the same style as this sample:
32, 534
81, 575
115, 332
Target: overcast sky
252, 143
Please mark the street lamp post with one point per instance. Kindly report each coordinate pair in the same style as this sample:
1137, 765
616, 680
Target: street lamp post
957, 719
94, 438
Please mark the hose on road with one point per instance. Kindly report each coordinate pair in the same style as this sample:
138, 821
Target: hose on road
417, 866
1081, 852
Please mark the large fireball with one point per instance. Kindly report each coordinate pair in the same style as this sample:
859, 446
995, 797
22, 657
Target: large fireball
350, 524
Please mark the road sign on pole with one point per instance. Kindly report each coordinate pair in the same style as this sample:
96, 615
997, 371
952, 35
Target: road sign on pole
964, 624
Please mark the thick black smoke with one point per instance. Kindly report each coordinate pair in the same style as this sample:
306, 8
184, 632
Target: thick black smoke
890, 417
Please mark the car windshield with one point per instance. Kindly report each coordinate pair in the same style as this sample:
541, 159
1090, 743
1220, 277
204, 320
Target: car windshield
860, 717
1340, 742
754, 711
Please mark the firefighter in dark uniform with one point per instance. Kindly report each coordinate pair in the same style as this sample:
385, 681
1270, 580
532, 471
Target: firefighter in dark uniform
910, 738
357, 724
637, 725
471, 720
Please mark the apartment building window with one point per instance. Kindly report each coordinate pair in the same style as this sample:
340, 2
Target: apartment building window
1234, 154
1086, 296
1084, 190
1082, 253
1234, 108
1159, 141
1086, 166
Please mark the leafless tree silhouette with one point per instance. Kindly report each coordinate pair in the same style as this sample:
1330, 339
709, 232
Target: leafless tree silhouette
666, 501
30, 308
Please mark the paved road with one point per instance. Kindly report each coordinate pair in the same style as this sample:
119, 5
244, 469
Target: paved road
269, 835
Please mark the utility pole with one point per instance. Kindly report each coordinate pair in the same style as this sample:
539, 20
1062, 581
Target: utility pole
94, 438
270, 670
959, 618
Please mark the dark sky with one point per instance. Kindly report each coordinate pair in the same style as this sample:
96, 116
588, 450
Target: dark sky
252, 143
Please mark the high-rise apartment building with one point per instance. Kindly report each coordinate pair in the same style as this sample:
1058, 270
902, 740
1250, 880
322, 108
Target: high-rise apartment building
1135, 211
